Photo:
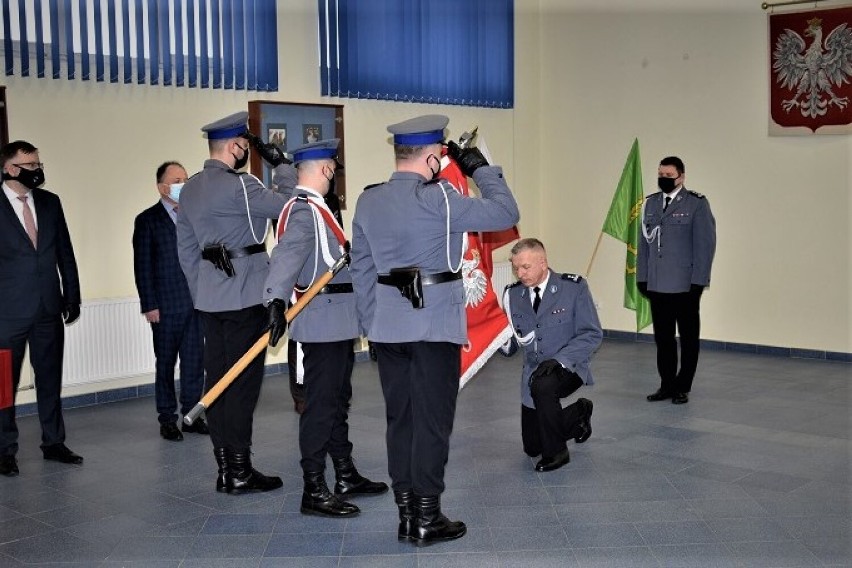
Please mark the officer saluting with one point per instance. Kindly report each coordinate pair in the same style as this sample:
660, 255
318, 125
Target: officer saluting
310, 241
221, 227
408, 239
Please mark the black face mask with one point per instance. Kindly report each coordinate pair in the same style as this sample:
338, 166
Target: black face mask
666, 185
240, 163
434, 172
31, 179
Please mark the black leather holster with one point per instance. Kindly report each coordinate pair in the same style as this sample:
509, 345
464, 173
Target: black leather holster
407, 281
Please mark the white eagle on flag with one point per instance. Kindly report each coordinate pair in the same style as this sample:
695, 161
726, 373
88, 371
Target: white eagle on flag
815, 70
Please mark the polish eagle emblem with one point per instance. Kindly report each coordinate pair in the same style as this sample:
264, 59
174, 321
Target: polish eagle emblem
813, 70
474, 280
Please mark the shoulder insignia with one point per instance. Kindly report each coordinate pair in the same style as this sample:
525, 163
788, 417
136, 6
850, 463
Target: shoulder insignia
513, 284
572, 277
649, 196
373, 185
696, 194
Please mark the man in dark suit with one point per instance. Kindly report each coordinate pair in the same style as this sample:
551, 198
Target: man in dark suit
167, 305
39, 288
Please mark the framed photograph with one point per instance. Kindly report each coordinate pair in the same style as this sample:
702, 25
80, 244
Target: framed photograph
311, 133
277, 134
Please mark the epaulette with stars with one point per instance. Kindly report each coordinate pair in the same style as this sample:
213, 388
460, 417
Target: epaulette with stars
650, 195
696, 194
513, 284
572, 277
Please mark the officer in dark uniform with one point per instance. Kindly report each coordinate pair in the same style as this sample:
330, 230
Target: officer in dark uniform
221, 226
672, 270
408, 241
310, 242
555, 320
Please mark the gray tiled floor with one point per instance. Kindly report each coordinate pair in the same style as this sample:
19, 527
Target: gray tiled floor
754, 471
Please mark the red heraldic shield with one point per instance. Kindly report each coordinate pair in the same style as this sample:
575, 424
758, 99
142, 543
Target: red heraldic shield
811, 70
5, 378
487, 325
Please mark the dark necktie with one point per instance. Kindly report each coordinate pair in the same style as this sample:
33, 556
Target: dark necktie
666, 204
537, 299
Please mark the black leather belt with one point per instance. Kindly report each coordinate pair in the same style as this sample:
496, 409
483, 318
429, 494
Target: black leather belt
211, 253
345, 288
425, 279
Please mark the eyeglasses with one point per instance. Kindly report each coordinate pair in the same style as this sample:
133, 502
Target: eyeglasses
30, 165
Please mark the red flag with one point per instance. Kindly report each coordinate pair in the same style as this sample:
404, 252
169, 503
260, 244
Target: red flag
5, 378
487, 325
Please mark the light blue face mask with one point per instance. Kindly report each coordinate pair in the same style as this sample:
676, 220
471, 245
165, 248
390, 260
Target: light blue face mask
174, 191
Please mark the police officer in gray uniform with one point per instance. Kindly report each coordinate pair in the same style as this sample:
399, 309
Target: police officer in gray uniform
672, 270
555, 321
221, 227
309, 244
408, 240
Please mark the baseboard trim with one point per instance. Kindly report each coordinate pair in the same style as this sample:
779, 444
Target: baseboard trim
141, 391
713, 345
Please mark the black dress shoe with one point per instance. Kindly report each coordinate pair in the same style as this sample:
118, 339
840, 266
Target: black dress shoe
9, 466
169, 431
680, 398
61, 453
197, 427
659, 395
557, 461
586, 423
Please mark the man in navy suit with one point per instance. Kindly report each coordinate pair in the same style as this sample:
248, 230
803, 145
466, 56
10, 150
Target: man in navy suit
167, 305
39, 288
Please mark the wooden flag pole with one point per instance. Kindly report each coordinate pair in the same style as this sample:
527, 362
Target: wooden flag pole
594, 254
261, 344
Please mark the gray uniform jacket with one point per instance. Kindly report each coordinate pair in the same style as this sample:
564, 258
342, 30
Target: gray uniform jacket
403, 223
566, 327
214, 210
681, 250
328, 317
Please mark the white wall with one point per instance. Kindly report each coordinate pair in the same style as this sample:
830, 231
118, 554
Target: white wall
693, 83
687, 81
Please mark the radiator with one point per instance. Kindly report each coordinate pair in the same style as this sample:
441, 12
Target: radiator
501, 277
110, 340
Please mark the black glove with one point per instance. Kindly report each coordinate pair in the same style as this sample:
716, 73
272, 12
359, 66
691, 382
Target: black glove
545, 368
696, 289
643, 288
271, 153
70, 313
277, 321
468, 159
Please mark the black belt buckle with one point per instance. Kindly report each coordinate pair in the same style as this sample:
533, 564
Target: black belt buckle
408, 282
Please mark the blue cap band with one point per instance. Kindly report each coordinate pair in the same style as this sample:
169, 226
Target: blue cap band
315, 154
419, 138
227, 133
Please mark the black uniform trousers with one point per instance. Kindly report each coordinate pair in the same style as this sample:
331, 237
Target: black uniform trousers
546, 428
178, 333
323, 427
668, 311
420, 382
227, 337
45, 334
